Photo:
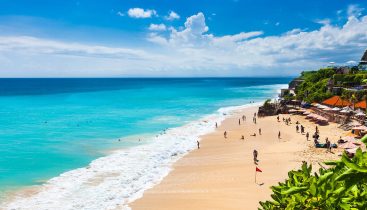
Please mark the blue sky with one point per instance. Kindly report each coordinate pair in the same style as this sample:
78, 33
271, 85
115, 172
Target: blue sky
117, 38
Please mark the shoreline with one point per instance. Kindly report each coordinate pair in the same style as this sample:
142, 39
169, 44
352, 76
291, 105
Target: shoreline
23, 196
220, 175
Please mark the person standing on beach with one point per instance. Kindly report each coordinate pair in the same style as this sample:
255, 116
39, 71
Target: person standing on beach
259, 131
279, 135
307, 135
198, 143
297, 128
255, 153
239, 121
225, 134
216, 125
243, 118
278, 118
328, 144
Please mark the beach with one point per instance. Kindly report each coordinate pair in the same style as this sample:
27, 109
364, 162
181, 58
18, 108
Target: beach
221, 174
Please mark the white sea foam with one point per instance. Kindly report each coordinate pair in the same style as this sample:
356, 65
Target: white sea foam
122, 177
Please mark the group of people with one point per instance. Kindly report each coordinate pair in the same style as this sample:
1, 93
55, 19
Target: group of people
315, 136
287, 121
300, 127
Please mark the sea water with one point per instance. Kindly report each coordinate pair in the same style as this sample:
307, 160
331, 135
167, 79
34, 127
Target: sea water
99, 143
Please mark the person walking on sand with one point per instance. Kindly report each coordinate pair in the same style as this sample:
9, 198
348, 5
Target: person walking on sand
259, 131
279, 135
243, 118
307, 135
255, 153
225, 134
328, 145
198, 143
216, 125
297, 128
278, 118
242, 137
239, 121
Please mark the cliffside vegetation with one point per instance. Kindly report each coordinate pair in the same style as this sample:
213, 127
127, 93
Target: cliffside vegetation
315, 85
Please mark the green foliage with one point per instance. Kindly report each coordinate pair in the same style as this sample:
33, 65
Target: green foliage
314, 88
311, 91
267, 103
348, 80
358, 95
342, 186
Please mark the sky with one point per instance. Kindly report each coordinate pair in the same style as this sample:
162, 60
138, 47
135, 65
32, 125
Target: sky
178, 38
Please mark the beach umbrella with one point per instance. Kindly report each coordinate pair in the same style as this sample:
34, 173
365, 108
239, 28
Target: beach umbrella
292, 110
360, 114
354, 123
312, 115
348, 145
361, 127
322, 118
358, 111
335, 109
348, 138
322, 106
347, 108
352, 150
327, 109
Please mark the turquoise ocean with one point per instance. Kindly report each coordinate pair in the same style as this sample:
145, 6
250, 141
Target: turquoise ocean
57, 133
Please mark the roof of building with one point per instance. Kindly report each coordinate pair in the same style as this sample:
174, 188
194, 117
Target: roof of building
364, 58
361, 104
336, 101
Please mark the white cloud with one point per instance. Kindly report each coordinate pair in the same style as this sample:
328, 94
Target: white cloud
193, 33
354, 10
293, 51
189, 51
172, 16
119, 13
325, 21
157, 27
141, 13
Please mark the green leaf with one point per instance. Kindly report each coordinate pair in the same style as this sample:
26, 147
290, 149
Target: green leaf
293, 190
352, 165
